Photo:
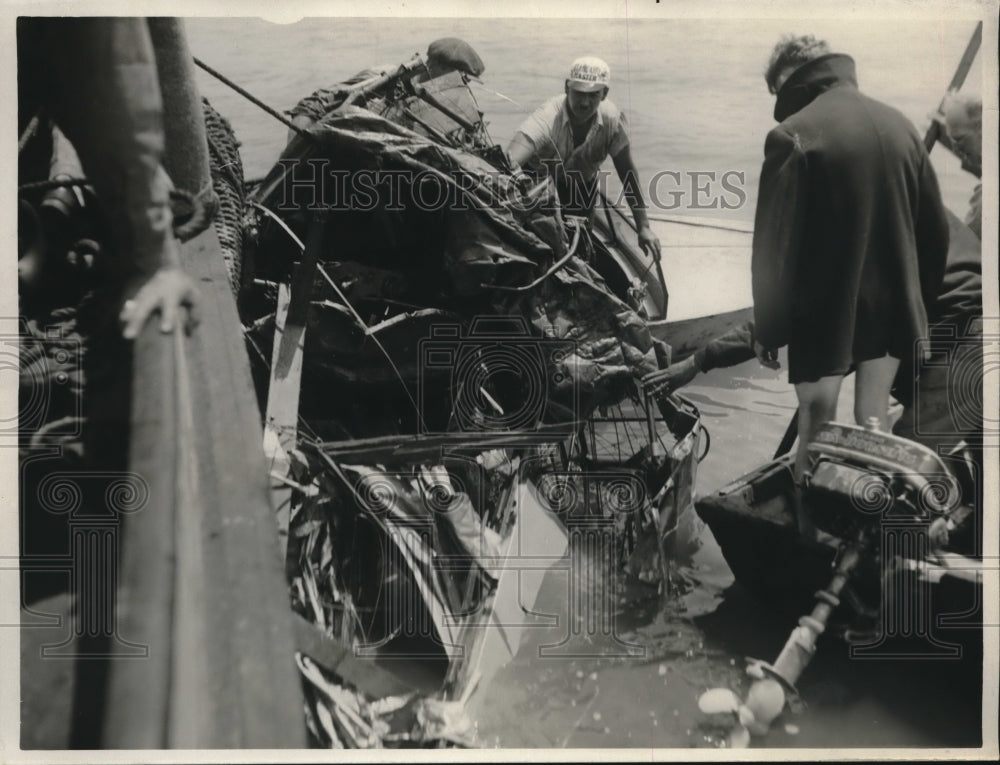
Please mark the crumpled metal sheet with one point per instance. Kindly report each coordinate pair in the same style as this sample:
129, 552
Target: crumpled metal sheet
450, 259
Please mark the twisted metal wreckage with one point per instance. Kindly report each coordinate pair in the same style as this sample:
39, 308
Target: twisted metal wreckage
459, 385
453, 393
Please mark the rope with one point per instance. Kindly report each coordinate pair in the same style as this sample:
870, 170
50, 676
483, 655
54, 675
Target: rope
226, 168
200, 216
253, 99
701, 224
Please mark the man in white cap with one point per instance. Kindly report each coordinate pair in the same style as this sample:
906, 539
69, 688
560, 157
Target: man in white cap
571, 135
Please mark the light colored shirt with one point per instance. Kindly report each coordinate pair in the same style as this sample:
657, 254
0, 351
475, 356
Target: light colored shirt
549, 134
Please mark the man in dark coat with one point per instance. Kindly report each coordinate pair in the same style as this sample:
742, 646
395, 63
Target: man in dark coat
850, 237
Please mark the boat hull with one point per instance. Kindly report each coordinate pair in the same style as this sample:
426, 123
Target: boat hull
685, 336
753, 520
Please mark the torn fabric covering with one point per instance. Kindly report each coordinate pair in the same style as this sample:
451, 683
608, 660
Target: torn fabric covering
363, 165
412, 225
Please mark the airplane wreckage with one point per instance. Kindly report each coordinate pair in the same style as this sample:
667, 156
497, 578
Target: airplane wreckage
458, 383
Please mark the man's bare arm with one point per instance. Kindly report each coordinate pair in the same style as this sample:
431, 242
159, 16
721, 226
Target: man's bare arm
625, 167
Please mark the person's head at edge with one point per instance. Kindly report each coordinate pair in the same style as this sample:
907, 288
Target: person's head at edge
791, 52
587, 85
963, 116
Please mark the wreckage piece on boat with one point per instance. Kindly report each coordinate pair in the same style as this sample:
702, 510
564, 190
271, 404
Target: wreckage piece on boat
705, 262
436, 382
404, 302
867, 488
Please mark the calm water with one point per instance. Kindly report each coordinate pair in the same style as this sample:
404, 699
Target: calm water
692, 89
696, 101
